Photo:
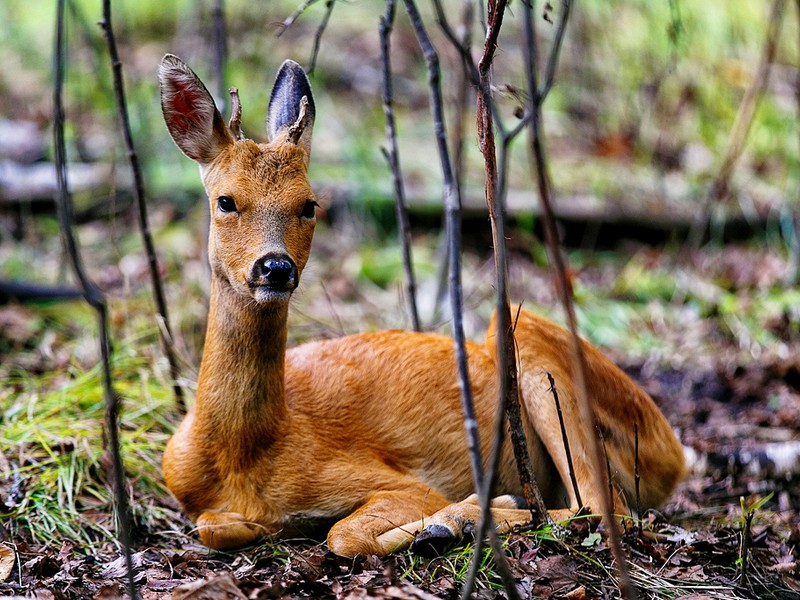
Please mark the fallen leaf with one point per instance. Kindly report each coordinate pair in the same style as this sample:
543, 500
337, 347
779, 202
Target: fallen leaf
7, 560
579, 593
219, 588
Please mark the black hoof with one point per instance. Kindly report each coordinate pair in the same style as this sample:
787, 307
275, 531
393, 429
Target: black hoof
433, 541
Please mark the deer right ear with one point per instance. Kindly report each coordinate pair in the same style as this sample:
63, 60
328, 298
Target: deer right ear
192, 118
291, 107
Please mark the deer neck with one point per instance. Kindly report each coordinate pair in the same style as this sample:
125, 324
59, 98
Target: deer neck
240, 392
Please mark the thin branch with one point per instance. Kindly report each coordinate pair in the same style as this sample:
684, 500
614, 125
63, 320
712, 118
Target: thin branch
138, 188
289, 21
318, 35
563, 285
95, 298
749, 105
564, 437
452, 204
393, 158
636, 477
220, 46
608, 467
461, 97
555, 51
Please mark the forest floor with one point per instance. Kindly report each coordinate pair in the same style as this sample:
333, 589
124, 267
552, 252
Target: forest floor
710, 334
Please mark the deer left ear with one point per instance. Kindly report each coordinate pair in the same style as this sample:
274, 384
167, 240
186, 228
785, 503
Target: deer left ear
291, 107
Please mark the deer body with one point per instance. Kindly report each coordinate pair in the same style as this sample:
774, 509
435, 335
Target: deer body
365, 432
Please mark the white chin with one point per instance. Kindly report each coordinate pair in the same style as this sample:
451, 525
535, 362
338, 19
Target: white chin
267, 296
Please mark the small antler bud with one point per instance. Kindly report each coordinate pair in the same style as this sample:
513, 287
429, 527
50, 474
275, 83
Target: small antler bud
296, 130
236, 114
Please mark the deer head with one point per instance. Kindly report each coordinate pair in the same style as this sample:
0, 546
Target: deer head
262, 207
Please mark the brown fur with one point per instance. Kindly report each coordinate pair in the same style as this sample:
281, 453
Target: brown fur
364, 431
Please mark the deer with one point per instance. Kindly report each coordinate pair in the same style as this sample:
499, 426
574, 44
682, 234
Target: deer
360, 436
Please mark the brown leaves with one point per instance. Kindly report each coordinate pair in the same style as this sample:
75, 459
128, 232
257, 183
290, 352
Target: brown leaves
222, 587
7, 559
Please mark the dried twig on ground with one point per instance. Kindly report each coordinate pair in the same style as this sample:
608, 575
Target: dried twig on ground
393, 158
138, 189
95, 298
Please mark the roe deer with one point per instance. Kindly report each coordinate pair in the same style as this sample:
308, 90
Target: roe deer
362, 434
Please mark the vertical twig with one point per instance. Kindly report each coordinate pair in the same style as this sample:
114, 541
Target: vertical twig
564, 437
318, 35
749, 104
461, 87
452, 204
608, 467
636, 477
220, 48
537, 96
144, 224
393, 158
744, 549
793, 266
94, 297
495, 194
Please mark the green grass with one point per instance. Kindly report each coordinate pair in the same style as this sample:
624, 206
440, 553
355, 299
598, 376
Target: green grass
52, 438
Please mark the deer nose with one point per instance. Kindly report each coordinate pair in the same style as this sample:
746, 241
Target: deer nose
275, 271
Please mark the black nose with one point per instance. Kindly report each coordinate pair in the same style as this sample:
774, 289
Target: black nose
275, 271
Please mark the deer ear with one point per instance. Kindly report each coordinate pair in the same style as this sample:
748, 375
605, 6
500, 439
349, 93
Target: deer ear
291, 107
192, 118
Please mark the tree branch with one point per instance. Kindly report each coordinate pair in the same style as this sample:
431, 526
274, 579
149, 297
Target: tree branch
393, 158
95, 298
139, 195
564, 288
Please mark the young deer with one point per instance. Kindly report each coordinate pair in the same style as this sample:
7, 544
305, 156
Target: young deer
365, 432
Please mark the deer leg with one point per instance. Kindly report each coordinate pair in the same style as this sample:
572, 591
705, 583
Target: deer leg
229, 530
377, 527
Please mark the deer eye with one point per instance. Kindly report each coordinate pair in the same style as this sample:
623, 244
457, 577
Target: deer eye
226, 204
308, 209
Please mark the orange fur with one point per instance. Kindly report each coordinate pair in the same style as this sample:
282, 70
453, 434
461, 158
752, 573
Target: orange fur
365, 431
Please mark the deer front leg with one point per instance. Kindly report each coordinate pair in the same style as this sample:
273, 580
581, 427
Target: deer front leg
229, 530
448, 526
377, 527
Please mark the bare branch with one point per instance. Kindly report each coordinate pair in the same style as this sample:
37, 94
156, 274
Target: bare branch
144, 222
749, 104
452, 204
95, 298
564, 288
220, 46
289, 21
393, 158
555, 51
636, 477
564, 437
318, 35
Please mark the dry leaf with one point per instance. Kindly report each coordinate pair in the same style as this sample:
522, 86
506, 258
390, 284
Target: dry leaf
219, 588
7, 559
